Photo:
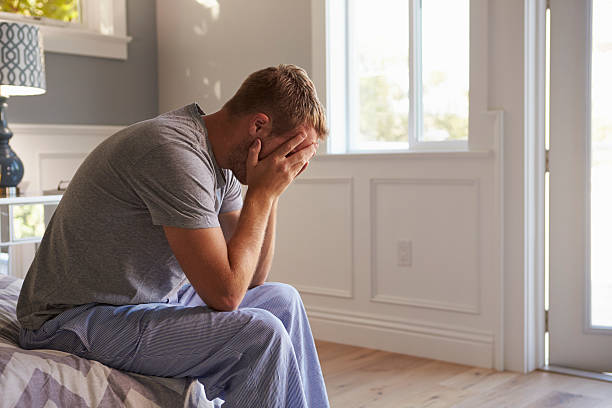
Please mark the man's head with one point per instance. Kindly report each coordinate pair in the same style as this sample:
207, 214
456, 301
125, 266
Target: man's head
274, 104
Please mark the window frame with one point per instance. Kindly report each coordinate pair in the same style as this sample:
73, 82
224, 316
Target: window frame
338, 97
90, 37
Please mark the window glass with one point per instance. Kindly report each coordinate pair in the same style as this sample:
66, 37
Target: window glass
64, 10
28, 221
379, 96
398, 74
601, 164
446, 69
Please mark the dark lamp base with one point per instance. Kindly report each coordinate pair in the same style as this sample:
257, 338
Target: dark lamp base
11, 167
9, 191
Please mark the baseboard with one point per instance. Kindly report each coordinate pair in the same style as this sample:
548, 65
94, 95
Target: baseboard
439, 342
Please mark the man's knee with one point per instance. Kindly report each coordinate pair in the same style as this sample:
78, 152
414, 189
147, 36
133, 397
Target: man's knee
263, 323
283, 293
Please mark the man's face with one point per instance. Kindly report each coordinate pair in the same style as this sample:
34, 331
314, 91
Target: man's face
269, 143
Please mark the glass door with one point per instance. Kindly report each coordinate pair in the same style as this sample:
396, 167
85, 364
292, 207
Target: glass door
580, 314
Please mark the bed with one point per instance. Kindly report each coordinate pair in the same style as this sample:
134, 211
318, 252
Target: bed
49, 378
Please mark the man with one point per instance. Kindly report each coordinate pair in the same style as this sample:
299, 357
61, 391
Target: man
152, 264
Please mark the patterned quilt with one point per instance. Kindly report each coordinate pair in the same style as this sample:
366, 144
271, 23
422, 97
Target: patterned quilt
48, 378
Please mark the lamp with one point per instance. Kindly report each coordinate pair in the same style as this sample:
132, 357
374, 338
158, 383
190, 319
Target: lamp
22, 72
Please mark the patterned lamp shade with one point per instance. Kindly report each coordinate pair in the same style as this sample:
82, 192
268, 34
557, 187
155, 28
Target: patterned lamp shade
22, 62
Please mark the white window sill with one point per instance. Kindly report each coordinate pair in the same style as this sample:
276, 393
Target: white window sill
81, 39
78, 41
418, 154
374, 149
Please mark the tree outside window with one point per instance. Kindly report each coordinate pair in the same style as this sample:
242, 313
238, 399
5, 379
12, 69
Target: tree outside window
28, 221
63, 10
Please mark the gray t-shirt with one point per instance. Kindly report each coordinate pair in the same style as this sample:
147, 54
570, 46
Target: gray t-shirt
105, 242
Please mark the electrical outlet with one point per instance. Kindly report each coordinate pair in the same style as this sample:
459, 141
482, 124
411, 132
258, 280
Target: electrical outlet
404, 253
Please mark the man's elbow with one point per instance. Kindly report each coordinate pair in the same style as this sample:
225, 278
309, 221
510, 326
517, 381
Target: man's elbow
225, 303
224, 308
256, 283
223, 294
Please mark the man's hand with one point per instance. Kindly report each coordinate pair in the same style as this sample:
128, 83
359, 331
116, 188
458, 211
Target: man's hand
221, 271
272, 175
316, 146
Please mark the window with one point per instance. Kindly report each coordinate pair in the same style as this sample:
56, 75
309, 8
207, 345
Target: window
82, 27
397, 74
28, 221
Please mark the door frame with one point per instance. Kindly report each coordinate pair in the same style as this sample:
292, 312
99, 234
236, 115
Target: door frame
534, 175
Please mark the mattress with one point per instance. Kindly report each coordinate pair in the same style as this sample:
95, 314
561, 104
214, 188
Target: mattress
48, 378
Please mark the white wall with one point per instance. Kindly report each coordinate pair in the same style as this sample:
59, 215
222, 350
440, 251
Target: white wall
453, 302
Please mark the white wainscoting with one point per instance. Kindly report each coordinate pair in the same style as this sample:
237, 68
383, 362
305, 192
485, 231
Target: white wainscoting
338, 233
50, 153
322, 210
436, 217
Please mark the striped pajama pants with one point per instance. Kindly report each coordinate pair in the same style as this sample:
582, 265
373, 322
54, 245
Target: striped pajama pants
261, 355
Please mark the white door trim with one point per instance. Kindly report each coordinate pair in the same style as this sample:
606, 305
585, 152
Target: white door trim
534, 168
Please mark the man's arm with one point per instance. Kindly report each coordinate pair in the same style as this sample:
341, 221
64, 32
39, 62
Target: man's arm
222, 272
267, 250
229, 222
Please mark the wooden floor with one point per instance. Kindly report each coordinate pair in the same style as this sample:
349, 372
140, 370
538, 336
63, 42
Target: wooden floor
358, 377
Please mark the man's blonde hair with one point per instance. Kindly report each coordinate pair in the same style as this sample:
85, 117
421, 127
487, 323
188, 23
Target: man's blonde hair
285, 94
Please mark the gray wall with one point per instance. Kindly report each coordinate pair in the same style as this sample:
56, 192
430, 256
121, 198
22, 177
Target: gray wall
98, 91
205, 58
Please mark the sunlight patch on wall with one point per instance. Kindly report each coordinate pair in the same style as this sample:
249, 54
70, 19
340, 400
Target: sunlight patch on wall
217, 90
213, 5
201, 29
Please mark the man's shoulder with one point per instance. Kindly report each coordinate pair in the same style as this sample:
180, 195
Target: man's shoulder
174, 132
178, 126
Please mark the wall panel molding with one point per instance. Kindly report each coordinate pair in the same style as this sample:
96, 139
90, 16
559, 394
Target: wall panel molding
425, 303
317, 290
412, 301
348, 292
498, 227
65, 145
45, 157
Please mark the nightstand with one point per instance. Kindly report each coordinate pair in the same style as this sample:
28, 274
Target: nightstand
23, 219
